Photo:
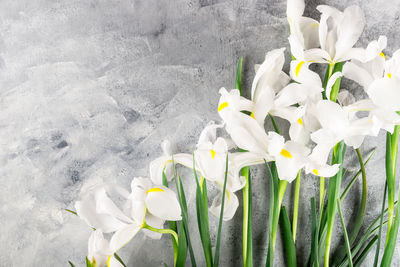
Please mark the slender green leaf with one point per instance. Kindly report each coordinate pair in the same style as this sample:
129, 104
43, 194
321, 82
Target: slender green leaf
238, 82
290, 248
352, 181
202, 220
296, 205
314, 235
392, 239
365, 252
71, 211
119, 259
221, 216
71, 264
185, 221
273, 206
346, 238
333, 195
380, 227
182, 247
247, 220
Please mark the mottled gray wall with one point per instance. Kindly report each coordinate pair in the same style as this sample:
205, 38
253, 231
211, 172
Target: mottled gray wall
88, 89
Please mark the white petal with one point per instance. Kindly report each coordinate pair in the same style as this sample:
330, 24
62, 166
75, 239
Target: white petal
105, 205
123, 236
271, 66
164, 204
264, 103
349, 30
209, 133
385, 93
357, 74
230, 206
300, 72
247, 133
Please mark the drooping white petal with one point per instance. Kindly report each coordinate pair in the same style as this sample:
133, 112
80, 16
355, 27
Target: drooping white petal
263, 104
300, 72
357, 73
104, 205
246, 132
230, 206
163, 203
121, 237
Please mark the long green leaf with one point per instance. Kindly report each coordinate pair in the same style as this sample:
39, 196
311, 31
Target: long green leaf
380, 227
182, 247
247, 220
290, 248
221, 216
365, 252
71, 264
354, 178
238, 81
314, 235
185, 221
392, 240
202, 220
273, 204
333, 195
172, 224
119, 259
346, 237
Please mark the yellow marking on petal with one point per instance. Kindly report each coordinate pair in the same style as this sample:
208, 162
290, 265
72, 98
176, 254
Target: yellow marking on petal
389, 75
252, 115
212, 153
298, 67
315, 25
222, 106
382, 55
315, 171
108, 261
155, 189
286, 153
300, 121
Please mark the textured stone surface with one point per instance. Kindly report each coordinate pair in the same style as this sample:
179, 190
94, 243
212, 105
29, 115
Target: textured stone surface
88, 89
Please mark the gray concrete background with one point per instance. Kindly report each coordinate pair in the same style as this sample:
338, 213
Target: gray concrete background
88, 89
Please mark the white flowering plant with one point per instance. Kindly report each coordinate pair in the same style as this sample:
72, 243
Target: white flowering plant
325, 120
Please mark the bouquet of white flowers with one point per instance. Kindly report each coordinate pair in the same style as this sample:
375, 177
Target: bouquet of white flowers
324, 118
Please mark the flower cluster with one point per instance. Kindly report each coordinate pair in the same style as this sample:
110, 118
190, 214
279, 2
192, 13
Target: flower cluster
321, 115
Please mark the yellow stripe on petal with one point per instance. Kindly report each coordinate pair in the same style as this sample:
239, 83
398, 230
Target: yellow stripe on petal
108, 261
155, 189
300, 121
212, 153
252, 115
389, 75
298, 67
382, 55
315, 171
222, 106
286, 153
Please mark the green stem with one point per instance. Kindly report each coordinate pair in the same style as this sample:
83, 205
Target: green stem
247, 209
296, 205
336, 85
274, 124
391, 161
321, 192
162, 231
